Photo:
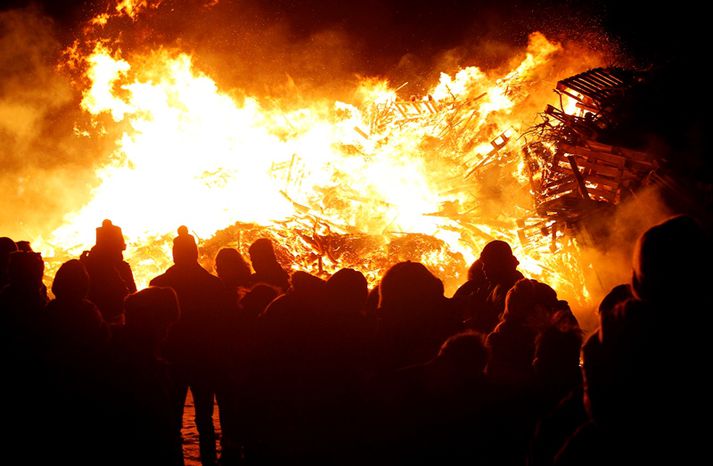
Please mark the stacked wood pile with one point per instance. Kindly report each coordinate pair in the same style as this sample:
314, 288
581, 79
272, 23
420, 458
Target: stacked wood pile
572, 173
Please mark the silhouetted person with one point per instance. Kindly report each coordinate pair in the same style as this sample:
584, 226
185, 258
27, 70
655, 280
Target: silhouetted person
530, 308
75, 328
347, 292
457, 381
643, 369
24, 385
267, 269
111, 279
192, 343
556, 364
414, 316
76, 342
235, 338
7, 246
285, 377
257, 299
24, 246
145, 429
476, 285
233, 271
431, 413
484, 295
347, 331
73, 319
557, 367
22, 301
617, 295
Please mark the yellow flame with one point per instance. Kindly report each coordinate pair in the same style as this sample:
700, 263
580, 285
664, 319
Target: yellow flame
191, 153
132, 8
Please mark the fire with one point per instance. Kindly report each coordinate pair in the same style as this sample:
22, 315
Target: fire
407, 179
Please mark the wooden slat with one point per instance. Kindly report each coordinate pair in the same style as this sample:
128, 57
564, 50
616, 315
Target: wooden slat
607, 77
628, 153
598, 168
600, 180
560, 189
578, 176
613, 159
555, 183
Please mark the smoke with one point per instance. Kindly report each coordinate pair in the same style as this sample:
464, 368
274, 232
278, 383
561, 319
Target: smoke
607, 245
42, 164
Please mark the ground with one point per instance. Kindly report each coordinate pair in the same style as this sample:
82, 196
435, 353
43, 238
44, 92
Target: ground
190, 434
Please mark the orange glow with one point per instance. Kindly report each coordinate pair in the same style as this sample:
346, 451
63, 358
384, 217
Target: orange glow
192, 153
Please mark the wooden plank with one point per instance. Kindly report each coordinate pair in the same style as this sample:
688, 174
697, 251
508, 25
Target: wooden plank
610, 78
616, 160
640, 156
401, 110
568, 184
602, 190
600, 158
603, 181
573, 194
601, 81
578, 176
584, 87
598, 168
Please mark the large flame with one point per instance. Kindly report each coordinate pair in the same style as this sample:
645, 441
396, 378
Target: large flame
408, 185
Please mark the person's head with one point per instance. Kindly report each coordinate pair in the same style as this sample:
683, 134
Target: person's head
466, 352
616, 295
71, 281
409, 285
185, 251
347, 291
25, 269
231, 267
109, 239
475, 271
530, 303
24, 246
6, 247
306, 284
262, 255
151, 312
667, 261
498, 261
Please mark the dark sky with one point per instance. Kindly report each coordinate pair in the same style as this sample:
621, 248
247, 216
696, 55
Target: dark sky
646, 32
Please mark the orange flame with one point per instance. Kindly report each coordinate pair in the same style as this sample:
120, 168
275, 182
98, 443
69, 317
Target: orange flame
192, 153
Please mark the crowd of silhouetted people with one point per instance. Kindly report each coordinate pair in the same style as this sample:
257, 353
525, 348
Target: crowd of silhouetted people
302, 370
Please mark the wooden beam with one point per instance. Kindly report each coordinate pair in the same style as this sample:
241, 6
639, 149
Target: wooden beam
578, 176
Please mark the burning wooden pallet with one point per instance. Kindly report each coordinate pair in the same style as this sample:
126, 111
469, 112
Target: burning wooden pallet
593, 89
572, 173
450, 121
399, 112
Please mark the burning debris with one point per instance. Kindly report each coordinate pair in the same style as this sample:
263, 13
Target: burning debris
451, 121
573, 172
360, 183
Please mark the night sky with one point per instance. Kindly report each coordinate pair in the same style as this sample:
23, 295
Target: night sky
647, 34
